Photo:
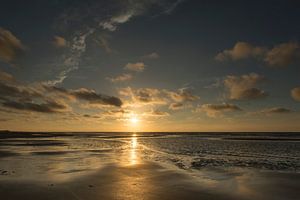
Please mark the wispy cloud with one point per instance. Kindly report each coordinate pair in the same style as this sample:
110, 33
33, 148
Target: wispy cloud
102, 40
137, 67
151, 56
71, 61
120, 78
97, 15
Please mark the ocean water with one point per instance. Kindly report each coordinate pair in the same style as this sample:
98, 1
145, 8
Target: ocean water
65, 155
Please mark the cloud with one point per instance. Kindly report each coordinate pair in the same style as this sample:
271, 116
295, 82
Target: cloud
116, 114
244, 87
6, 77
176, 106
121, 78
182, 95
144, 95
103, 42
48, 107
83, 20
172, 6
241, 50
148, 95
275, 110
151, 56
8, 90
10, 46
215, 110
295, 93
59, 42
113, 22
94, 98
156, 113
133, 8
38, 97
282, 54
72, 59
153, 96
137, 67
88, 95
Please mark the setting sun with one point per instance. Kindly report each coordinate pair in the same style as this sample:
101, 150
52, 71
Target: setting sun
134, 120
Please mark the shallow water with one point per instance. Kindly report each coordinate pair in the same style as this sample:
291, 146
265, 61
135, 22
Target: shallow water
65, 156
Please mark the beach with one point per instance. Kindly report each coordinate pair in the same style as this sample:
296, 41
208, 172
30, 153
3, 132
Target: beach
49, 167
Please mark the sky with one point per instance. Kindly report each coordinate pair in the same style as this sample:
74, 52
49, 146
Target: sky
149, 65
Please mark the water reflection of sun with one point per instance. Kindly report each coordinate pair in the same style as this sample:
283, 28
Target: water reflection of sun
133, 149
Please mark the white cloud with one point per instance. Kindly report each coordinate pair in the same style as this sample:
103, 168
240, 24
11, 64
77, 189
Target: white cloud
152, 56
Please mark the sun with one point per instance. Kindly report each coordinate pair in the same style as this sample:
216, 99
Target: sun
134, 120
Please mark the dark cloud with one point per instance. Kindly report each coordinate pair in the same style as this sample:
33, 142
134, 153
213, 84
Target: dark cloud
182, 95
214, 110
244, 87
276, 110
48, 107
176, 106
18, 91
94, 98
86, 94
156, 113
40, 97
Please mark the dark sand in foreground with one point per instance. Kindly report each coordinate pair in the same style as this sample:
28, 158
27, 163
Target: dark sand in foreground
151, 181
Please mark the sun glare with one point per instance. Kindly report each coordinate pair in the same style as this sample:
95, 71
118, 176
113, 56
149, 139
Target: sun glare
134, 120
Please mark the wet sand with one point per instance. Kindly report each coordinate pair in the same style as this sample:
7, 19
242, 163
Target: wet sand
35, 167
151, 181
